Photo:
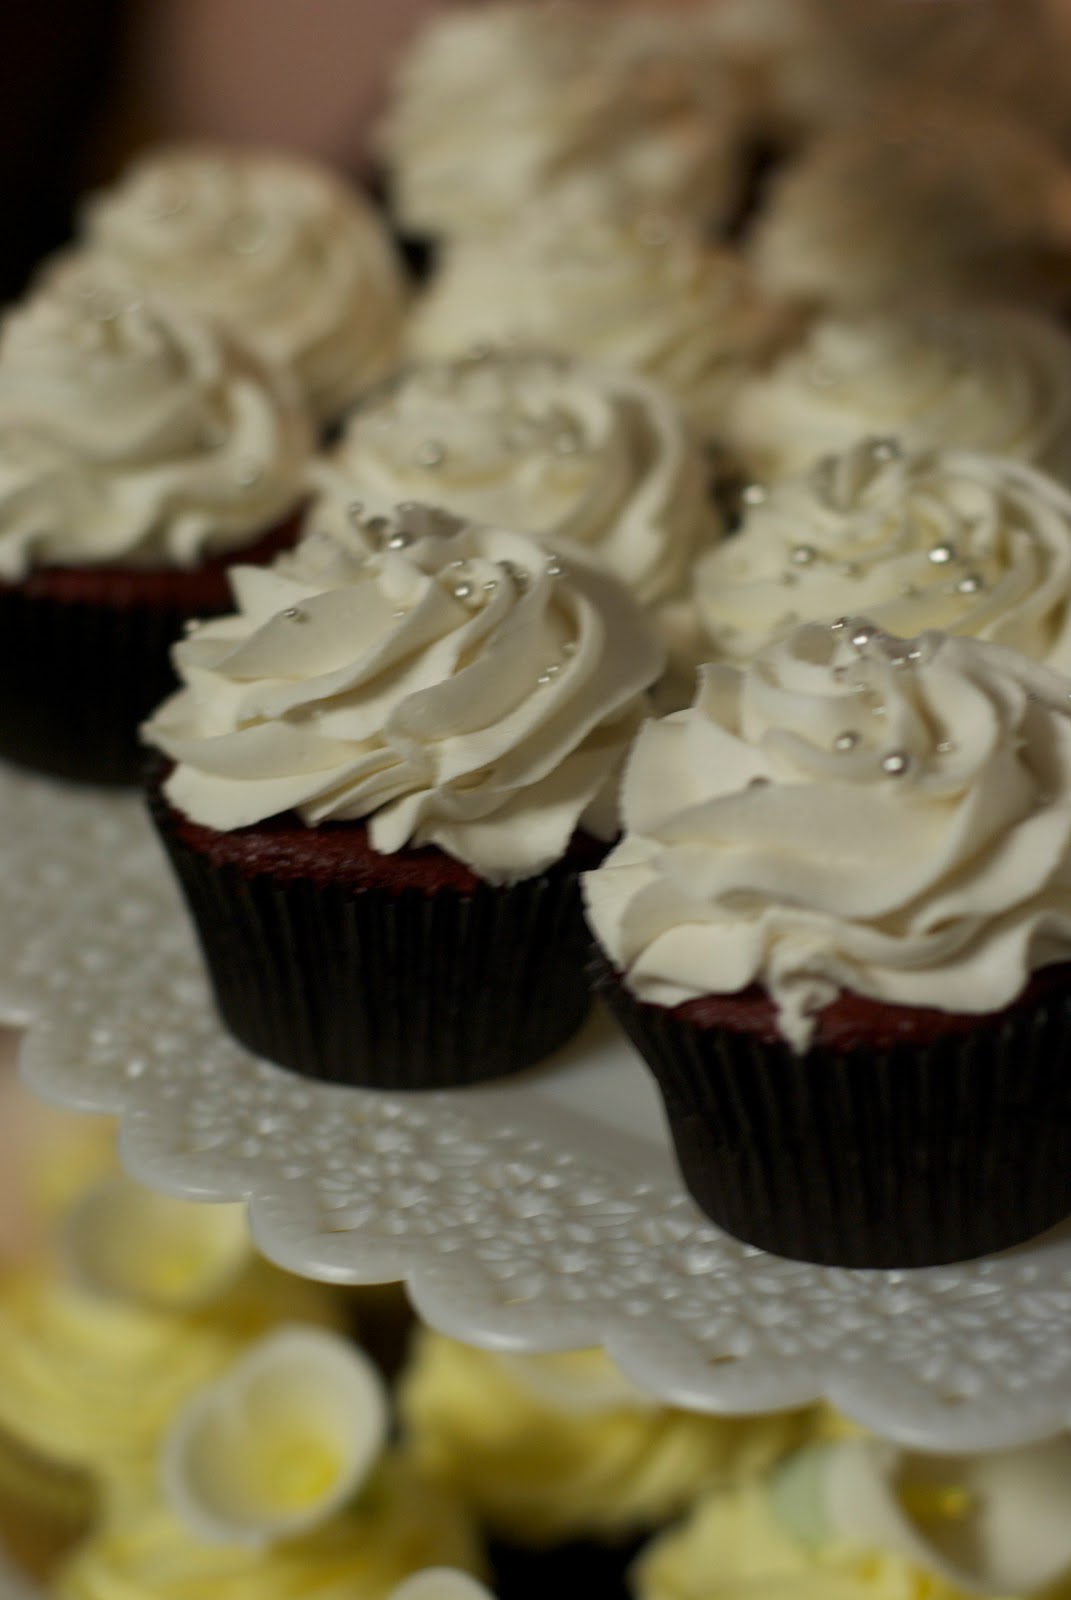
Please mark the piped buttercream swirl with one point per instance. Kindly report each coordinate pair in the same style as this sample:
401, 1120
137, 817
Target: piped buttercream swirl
276, 247
987, 378
558, 448
950, 539
885, 816
453, 684
133, 432
644, 295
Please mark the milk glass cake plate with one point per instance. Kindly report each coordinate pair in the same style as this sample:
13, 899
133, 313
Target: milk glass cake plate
541, 1213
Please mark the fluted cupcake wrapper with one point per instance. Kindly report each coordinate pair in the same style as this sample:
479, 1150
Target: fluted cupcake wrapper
912, 1156
383, 989
76, 680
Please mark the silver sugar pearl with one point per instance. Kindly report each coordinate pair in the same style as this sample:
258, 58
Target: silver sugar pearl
864, 636
803, 555
293, 614
432, 453
464, 591
896, 763
885, 449
846, 741
753, 495
838, 626
945, 747
941, 554
399, 540
491, 586
970, 584
555, 568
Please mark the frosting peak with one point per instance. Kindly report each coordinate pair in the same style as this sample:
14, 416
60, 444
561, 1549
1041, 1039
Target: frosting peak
852, 811
132, 431
453, 684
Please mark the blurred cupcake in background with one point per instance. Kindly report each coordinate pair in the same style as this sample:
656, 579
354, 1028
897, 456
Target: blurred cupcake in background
498, 108
920, 202
140, 448
863, 1520
992, 378
284, 252
564, 1447
643, 294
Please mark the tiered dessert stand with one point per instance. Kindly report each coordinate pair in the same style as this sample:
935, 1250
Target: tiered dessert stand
543, 1213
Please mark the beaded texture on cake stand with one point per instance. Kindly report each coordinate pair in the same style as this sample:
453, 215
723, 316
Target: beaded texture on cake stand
541, 1213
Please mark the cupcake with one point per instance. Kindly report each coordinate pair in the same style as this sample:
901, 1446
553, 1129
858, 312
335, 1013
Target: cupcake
838, 928
643, 294
985, 378
925, 202
497, 107
949, 539
139, 449
549, 1448
279, 249
389, 765
556, 447
867, 1521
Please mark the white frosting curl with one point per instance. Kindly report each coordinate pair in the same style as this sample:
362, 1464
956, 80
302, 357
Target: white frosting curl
497, 106
133, 432
852, 812
984, 378
278, 248
555, 447
456, 686
643, 295
955, 540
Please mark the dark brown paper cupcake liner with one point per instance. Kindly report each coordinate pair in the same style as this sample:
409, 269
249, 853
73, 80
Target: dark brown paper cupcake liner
383, 988
911, 1155
85, 657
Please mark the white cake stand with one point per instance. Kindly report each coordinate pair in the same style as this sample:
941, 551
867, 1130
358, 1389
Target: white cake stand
543, 1213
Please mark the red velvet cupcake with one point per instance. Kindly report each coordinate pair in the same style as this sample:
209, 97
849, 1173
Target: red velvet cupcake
390, 766
838, 928
139, 449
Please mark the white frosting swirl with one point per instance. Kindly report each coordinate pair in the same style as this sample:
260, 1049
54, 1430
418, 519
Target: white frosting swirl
497, 106
278, 248
954, 540
645, 296
853, 811
456, 687
133, 432
555, 447
982, 379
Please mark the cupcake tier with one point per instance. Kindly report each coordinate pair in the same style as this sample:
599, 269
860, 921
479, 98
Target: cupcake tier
541, 1213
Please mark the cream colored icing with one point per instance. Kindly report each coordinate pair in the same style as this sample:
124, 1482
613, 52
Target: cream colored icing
852, 811
644, 295
497, 106
282, 250
952, 539
454, 684
983, 378
400, 1525
738, 1536
552, 1448
133, 432
558, 448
